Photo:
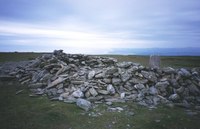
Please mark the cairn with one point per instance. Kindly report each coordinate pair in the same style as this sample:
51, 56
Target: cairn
84, 79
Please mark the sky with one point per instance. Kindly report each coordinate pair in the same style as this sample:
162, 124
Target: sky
98, 26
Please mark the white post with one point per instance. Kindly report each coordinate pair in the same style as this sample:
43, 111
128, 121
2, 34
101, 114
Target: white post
154, 61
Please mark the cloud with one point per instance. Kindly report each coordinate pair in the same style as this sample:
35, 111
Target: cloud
99, 26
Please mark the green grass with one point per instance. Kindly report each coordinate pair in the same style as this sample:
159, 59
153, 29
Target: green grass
22, 112
173, 61
17, 56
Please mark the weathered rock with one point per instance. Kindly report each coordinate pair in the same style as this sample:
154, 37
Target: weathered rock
6, 77
77, 94
64, 95
133, 69
37, 76
162, 86
139, 86
57, 52
149, 75
180, 90
174, 83
94, 99
124, 64
174, 97
125, 77
56, 82
100, 75
111, 89
103, 92
70, 99
111, 71
52, 92
193, 89
116, 81
169, 70
84, 104
109, 103
60, 86
60, 91
138, 81
141, 67
77, 82
118, 109
93, 92
130, 113
91, 74
184, 72
62, 69
87, 94
107, 80
115, 100
153, 90
122, 95
131, 97
19, 91
110, 61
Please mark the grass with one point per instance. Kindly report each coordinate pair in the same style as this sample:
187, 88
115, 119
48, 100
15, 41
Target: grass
16, 56
22, 112
173, 61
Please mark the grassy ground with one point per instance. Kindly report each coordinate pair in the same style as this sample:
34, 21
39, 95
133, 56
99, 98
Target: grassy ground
173, 61
5, 57
22, 112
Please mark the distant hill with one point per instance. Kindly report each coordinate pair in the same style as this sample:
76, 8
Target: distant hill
158, 51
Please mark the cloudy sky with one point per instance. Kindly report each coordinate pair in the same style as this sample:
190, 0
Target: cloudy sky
98, 26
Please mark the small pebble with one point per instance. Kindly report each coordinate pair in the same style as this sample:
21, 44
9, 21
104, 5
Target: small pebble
157, 121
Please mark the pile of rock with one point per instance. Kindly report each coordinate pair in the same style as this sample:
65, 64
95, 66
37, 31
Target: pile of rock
85, 79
